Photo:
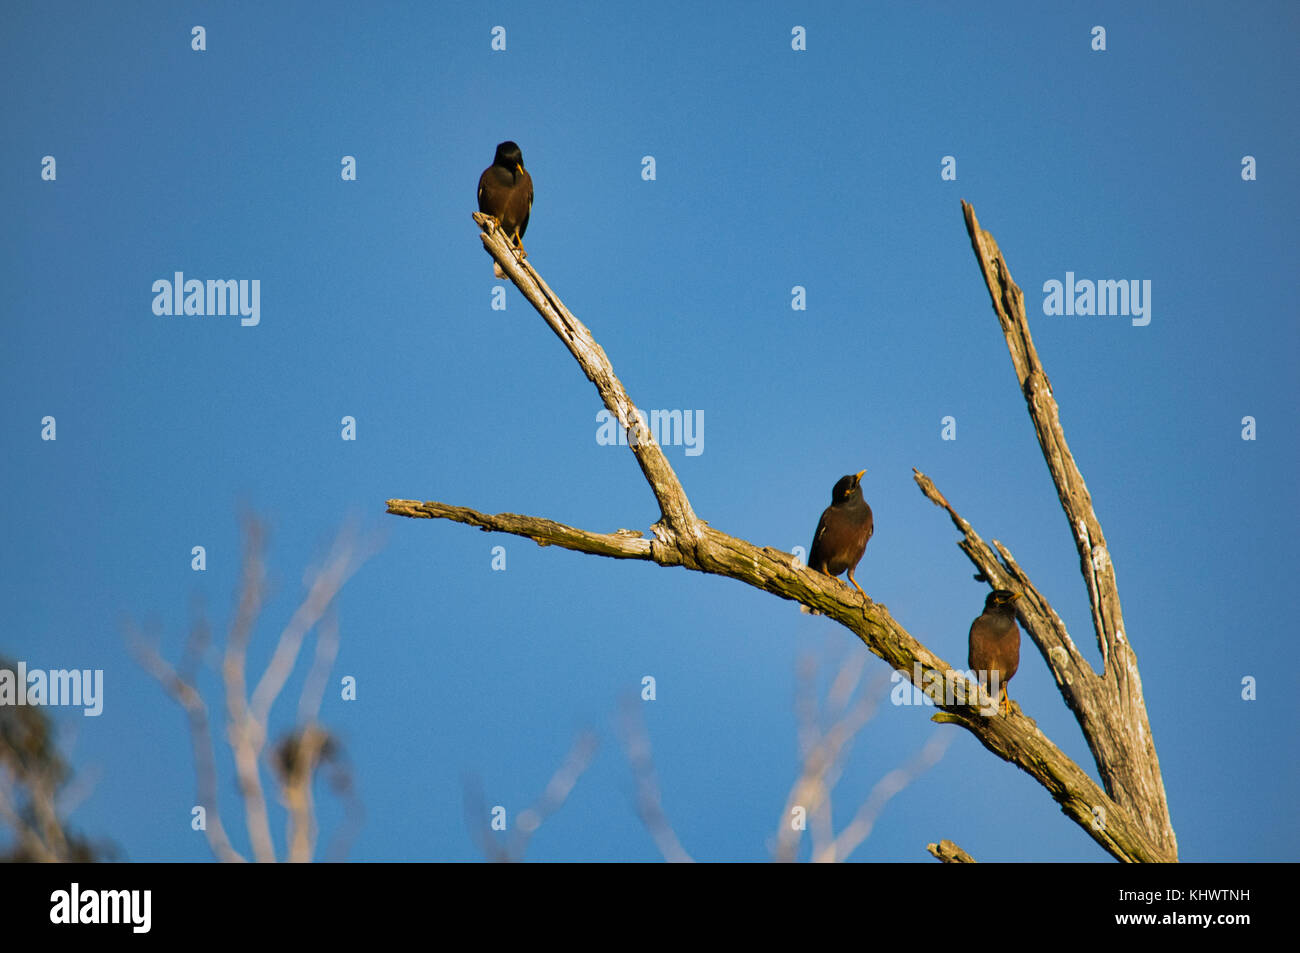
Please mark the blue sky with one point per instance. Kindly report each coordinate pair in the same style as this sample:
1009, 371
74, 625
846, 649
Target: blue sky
774, 168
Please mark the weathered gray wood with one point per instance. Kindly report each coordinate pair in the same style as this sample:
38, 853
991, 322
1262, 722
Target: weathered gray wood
681, 539
1109, 707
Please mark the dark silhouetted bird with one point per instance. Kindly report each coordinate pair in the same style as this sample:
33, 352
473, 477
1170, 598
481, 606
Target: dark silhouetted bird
995, 643
842, 534
505, 191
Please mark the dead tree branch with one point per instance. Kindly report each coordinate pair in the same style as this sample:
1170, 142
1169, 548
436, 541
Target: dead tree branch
649, 798
825, 751
679, 538
1109, 707
180, 684
950, 853
513, 848
308, 746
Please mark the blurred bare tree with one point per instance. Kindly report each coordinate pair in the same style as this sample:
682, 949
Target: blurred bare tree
826, 735
512, 847
305, 750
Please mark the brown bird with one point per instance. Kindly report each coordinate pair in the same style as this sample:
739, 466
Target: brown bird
995, 644
842, 534
505, 191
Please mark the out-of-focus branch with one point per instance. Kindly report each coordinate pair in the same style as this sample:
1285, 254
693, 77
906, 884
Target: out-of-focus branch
244, 733
649, 799
302, 750
182, 689
513, 848
555, 793
859, 829
824, 753
297, 757
35, 782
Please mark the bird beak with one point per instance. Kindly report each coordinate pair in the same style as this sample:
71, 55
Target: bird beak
519, 166
1015, 596
858, 478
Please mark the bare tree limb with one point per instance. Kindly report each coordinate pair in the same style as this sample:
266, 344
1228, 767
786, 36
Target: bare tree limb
302, 750
825, 752
950, 853
344, 559
297, 756
530, 819
1110, 709
649, 799
246, 735
180, 686
624, 544
859, 829
678, 519
557, 790
681, 539
40, 835
1036, 614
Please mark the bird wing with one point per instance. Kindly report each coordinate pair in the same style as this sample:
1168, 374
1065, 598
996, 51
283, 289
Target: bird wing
975, 654
993, 646
817, 536
523, 225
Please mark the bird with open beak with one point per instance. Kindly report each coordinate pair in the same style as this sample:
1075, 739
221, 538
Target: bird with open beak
843, 531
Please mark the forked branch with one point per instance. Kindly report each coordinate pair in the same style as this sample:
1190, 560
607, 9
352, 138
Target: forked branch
679, 538
1109, 707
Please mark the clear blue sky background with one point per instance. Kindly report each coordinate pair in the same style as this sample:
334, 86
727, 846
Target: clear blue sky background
775, 168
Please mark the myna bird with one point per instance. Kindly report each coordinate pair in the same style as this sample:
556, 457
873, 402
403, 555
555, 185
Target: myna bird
842, 534
995, 643
505, 191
